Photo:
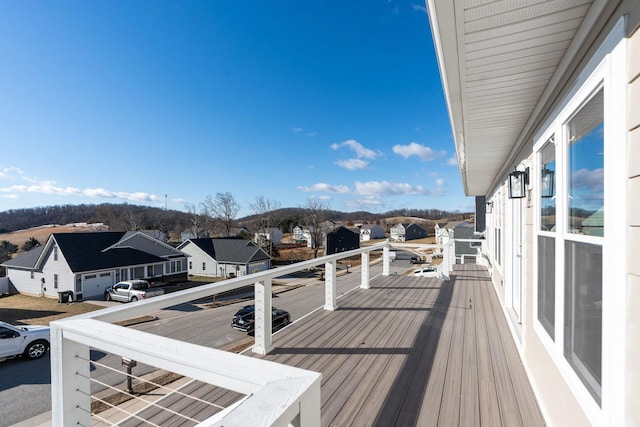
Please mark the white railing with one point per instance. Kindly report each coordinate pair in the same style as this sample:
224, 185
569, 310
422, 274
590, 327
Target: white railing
275, 394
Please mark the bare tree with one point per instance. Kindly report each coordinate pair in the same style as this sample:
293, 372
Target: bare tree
195, 222
266, 221
316, 216
223, 208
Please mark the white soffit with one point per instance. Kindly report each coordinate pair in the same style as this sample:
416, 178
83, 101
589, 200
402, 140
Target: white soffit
496, 59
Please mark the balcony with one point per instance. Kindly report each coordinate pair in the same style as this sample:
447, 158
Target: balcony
398, 350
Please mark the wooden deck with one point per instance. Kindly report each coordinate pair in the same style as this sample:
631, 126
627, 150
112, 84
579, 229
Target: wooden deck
413, 351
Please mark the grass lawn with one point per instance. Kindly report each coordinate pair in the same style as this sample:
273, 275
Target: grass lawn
24, 309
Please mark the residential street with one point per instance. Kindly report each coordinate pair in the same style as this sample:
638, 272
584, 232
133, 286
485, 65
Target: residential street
25, 386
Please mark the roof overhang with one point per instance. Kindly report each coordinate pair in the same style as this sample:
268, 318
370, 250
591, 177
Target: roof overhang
504, 65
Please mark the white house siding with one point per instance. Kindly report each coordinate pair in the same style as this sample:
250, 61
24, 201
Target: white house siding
28, 285
633, 255
59, 267
196, 259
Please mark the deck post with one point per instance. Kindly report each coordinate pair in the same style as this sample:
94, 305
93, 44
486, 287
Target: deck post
386, 260
446, 267
70, 381
330, 297
262, 317
364, 270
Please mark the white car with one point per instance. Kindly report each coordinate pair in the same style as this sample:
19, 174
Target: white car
426, 272
28, 341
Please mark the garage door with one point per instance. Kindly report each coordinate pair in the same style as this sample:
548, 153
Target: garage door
95, 284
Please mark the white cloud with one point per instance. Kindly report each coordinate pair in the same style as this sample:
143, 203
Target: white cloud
385, 188
440, 182
452, 161
49, 187
360, 150
352, 164
419, 7
306, 131
425, 154
321, 186
7, 173
592, 180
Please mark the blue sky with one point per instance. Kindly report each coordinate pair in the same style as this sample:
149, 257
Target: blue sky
129, 101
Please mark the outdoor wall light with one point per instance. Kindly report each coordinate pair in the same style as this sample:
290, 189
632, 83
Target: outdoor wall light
547, 183
518, 181
489, 207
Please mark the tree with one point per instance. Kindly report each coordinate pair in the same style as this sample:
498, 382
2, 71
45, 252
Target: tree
195, 222
223, 208
316, 216
266, 221
30, 244
8, 246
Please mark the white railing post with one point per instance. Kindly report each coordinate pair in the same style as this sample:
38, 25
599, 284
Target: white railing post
262, 317
70, 381
446, 266
310, 406
364, 270
330, 297
386, 261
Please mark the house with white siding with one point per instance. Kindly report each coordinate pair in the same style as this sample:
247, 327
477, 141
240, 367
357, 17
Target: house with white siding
220, 257
88, 263
543, 102
371, 232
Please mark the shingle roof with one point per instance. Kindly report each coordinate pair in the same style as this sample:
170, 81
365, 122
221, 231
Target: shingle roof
27, 260
231, 250
86, 251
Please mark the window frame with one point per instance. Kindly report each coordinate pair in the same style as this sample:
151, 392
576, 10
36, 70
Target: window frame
606, 72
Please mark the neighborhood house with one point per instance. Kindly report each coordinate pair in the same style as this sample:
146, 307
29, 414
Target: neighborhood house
85, 264
224, 257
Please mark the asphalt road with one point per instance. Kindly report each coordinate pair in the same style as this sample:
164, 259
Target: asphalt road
25, 386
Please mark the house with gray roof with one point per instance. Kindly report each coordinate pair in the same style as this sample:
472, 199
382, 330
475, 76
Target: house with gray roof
224, 257
88, 263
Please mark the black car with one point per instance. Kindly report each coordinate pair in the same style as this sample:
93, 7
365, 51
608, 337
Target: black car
415, 260
244, 321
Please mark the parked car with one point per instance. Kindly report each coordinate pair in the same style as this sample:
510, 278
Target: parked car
131, 291
426, 272
415, 260
29, 341
244, 321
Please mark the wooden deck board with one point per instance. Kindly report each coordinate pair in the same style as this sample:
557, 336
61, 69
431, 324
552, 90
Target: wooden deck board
410, 351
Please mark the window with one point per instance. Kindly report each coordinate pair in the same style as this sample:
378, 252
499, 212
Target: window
583, 312
547, 186
190, 265
586, 169
55, 253
583, 259
546, 238
32, 274
204, 266
547, 283
55, 281
150, 271
497, 230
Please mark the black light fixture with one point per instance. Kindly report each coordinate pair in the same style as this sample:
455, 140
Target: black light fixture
489, 207
547, 183
518, 181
